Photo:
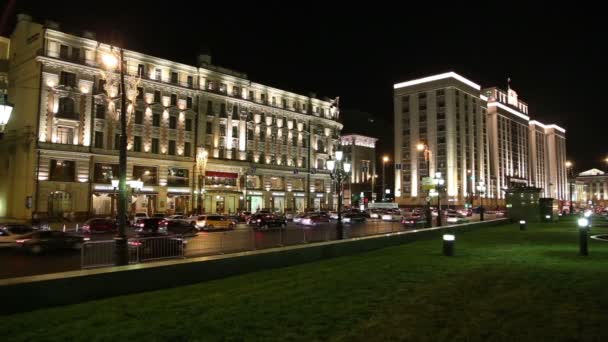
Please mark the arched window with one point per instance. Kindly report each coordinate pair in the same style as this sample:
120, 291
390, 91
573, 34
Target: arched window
66, 108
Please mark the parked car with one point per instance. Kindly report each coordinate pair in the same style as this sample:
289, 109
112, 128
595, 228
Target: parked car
233, 218
413, 221
266, 221
314, 219
333, 215
42, 241
376, 213
289, 215
100, 225
178, 217
152, 224
139, 216
10, 232
212, 222
244, 216
159, 215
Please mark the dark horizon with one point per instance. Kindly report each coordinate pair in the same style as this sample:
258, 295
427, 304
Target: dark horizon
553, 61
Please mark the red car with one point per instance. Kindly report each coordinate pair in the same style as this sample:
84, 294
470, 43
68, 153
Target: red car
99, 225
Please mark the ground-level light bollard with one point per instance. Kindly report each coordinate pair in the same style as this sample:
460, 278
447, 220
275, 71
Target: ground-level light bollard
448, 244
583, 232
523, 224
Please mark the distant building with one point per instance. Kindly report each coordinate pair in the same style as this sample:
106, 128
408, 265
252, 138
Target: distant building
360, 150
591, 188
475, 136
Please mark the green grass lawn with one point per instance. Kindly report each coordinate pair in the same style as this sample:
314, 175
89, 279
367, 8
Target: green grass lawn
502, 284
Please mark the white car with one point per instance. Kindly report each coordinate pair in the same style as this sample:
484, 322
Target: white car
391, 215
11, 232
179, 218
139, 216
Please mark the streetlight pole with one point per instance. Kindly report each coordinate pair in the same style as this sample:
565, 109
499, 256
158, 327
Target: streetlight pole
339, 171
439, 183
111, 61
481, 190
384, 161
201, 162
571, 185
422, 147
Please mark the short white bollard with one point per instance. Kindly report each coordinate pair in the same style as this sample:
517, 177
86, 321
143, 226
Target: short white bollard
64, 228
77, 227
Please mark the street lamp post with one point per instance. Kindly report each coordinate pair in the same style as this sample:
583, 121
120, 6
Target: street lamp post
201, 162
339, 171
385, 160
571, 184
439, 184
481, 190
111, 62
422, 147
5, 112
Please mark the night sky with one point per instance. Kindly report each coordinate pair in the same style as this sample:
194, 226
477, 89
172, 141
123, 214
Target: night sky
553, 55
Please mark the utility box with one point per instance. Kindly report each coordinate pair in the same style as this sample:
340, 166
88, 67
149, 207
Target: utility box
523, 203
549, 209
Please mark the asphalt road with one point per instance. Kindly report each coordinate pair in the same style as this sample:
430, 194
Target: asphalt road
17, 263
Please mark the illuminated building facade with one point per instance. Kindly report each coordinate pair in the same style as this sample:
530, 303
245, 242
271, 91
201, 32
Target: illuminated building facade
360, 151
475, 136
267, 147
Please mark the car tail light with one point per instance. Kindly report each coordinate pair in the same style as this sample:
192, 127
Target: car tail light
135, 243
86, 227
22, 240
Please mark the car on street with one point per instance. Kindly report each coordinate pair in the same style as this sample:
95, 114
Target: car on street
49, 240
289, 215
139, 216
212, 222
151, 224
244, 216
298, 218
267, 221
391, 215
352, 217
456, 218
179, 227
157, 245
413, 221
314, 219
177, 217
159, 215
100, 225
10, 232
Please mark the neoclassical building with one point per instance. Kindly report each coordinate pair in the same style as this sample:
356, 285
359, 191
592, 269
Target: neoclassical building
266, 147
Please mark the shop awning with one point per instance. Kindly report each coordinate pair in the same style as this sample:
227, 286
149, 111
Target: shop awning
221, 174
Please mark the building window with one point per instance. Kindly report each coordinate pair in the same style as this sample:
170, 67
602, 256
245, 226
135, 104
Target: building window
172, 147
284, 103
187, 149
158, 75
174, 77
63, 51
137, 143
62, 170
98, 139
173, 122
66, 108
251, 95
188, 102
141, 70
140, 93
155, 145
209, 108
76, 54
139, 117
100, 111
104, 173
223, 88
222, 130
146, 174
156, 120
209, 85
174, 99
209, 128
177, 177
188, 125
190, 82
157, 96
65, 135
67, 79
234, 131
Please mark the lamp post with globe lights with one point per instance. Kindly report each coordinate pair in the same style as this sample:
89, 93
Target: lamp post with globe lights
424, 148
201, 163
569, 168
481, 190
339, 170
112, 61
